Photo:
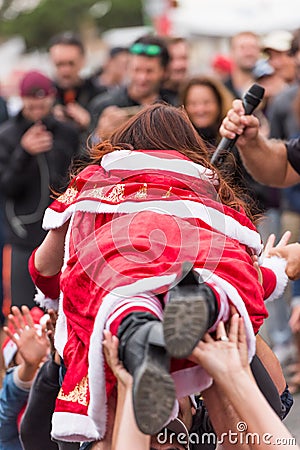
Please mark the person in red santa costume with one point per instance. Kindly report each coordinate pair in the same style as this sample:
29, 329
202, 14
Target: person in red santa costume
151, 243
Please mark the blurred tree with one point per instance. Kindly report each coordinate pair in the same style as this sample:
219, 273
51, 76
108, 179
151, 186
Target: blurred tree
53, 16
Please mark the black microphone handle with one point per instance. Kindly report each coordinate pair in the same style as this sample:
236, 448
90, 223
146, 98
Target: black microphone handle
224, 144
249, 104
228, 144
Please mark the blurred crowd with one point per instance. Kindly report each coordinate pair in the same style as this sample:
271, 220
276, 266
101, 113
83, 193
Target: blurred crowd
61, 118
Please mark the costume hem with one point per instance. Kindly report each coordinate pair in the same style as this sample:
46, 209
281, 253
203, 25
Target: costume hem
45, 302
67, 424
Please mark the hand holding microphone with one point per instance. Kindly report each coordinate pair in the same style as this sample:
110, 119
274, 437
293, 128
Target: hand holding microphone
233, 125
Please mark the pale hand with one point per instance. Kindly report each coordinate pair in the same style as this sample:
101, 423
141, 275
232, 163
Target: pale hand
32, 346
111, 118
80, 115
110, 348
237, 123
37, 140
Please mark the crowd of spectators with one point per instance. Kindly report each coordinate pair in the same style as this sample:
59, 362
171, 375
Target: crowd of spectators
60, 120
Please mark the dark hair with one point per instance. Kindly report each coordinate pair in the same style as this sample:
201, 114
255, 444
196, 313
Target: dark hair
164, 127
295, 44
67, 38
114, 51
149, 39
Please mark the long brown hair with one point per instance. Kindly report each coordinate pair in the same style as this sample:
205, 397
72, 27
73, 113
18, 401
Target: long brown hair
164, 127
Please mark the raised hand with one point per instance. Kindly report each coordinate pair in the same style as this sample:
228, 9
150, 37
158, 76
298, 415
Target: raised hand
110, 347
225, 355
37, 139
31, 340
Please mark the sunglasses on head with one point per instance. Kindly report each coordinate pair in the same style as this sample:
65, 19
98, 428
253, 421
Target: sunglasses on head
145, 49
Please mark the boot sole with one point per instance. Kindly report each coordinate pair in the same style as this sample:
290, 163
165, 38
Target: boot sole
185, 323
153, 399
153, 387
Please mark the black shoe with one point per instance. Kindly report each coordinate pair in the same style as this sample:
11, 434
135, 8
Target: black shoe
190, 312
145, 357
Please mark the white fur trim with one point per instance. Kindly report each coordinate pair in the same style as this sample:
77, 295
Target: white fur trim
144, 285
146, 303
9, 351
67, 427
61, 334
180, 208
45, 302
278, 266
52, 219
61, 331
131, 160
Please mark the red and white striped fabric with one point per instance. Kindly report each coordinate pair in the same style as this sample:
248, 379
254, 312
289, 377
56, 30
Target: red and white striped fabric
134, 221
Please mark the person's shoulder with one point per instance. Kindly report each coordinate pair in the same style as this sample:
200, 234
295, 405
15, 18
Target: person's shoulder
90, 85
114, 96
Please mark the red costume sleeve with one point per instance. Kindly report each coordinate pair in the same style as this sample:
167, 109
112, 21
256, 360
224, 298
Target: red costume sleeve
269, 281
50, 286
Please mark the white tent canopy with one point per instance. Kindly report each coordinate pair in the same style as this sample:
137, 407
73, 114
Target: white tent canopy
227, 17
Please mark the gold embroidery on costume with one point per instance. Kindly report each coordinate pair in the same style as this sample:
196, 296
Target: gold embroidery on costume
68, 197
97, 193
168, 193
117, 194
142, 192
78, 395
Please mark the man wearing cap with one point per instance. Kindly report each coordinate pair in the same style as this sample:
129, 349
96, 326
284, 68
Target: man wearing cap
276, 45
35, 153
148, 61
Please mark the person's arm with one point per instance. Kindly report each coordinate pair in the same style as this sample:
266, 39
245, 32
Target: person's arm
227, 366
126, 433
36, 421
33, 349
265, 159
294, 321
13, 397
48, 258
291, 253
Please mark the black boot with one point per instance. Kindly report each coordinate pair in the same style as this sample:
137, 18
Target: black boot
142, 351
190, 312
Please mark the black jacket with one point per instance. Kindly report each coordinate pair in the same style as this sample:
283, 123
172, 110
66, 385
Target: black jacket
82, 94
25, 180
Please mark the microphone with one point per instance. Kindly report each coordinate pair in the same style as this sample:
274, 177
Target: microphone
251, 100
